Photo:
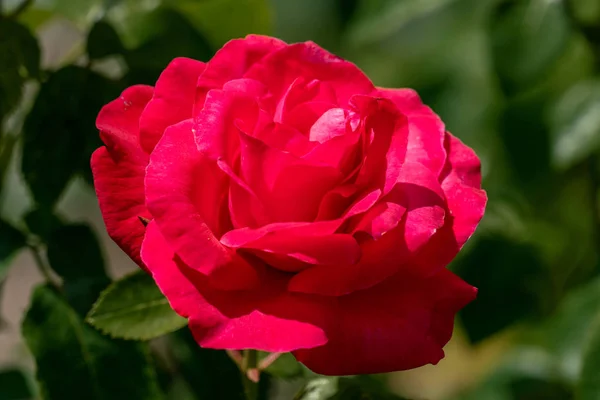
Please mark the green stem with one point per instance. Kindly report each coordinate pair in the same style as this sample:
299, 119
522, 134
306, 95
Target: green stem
249, 364
43, 267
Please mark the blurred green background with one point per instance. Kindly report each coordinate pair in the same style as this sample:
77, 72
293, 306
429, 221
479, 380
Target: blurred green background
517, 80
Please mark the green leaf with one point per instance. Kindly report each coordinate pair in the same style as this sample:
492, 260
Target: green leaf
210, 374
103, 41
42, 222
222, 20
14, 385
75, 255
575, 120
321, 388
527, 38
76, 362
589, 383
60, 133
11, 241
20, 61
134, 308
171, 35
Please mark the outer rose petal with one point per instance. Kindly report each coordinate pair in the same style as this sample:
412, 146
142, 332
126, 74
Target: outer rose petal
173, 100
426, 129
232, 61
397, 325
119, 169
184, 193
461, 182
280, 68
462, 185
269, 320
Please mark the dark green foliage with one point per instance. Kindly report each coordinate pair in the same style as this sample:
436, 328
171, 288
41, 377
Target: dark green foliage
103, 41
210, 374
59, 132
74, 254
19, 61
98, 368
172, 36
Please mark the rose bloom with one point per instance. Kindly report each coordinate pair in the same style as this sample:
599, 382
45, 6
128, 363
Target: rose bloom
282, 202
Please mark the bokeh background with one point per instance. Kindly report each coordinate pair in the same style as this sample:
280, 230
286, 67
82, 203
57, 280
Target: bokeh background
517, 80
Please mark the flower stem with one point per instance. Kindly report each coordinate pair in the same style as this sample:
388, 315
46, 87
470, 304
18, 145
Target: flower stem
250, 374
42, 266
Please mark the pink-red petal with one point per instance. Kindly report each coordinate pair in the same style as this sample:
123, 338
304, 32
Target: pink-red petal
426, 129
397, 325
119, 169
173, 100
184, 193
232, 61
461, 183
269, 319
289, 187
280, 68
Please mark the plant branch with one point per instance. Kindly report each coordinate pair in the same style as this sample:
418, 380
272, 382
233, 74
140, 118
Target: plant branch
42, 266
250, 374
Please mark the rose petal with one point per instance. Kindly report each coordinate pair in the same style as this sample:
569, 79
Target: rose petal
294, 246
245, 208
380, 259
462, 186
310, 243
398, 325
419, 191
285, 138
269, 319
119, 170
407, 100
386, 134
280, 68
380, 219
466, 203
290, 188
232, 61
217, 126
184, 193
173, 100
426, 129
306, 114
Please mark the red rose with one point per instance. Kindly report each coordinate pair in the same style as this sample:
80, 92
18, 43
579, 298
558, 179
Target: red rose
293, 206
